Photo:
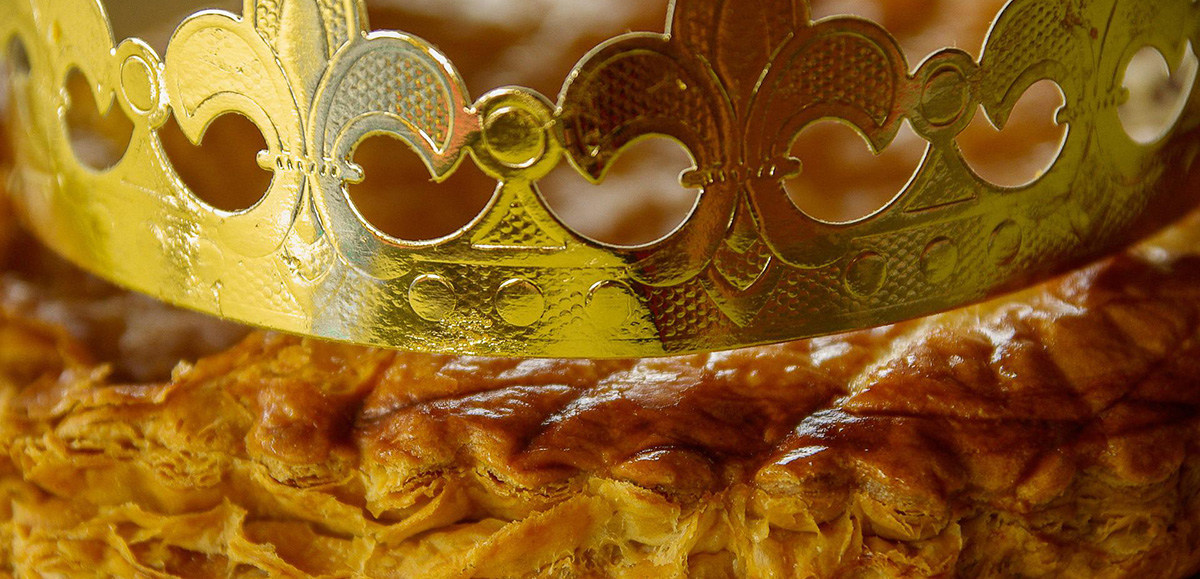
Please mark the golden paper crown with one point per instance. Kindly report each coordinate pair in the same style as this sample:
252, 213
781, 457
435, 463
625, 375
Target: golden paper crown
734, 82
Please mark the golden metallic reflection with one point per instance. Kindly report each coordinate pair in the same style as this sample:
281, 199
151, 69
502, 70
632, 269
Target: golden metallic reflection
735, 83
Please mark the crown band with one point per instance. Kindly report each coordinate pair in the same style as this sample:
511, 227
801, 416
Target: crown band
746, 268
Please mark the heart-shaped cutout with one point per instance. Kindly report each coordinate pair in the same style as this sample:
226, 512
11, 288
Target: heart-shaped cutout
1027, 146
223, 170
98, 139
639, 201
398, 196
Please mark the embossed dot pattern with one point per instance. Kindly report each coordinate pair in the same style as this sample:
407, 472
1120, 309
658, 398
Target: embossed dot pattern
840, 68
807, 294
1045, 28
686, 310
402, 84
266, 18
333, 15
641, 86
743, 269
517, 229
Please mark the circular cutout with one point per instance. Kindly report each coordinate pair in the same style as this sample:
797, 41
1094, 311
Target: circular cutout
223, 170
640, 201
432, 297
1157, 96
399, 197
1029, 144
520, 303
99, 140
843, 179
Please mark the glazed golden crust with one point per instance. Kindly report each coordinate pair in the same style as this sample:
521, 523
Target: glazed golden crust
1051, 433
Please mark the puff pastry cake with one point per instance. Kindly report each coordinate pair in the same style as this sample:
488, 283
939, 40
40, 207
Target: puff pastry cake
1055, 432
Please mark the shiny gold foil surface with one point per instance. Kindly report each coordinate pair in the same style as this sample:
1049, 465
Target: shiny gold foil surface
734, 82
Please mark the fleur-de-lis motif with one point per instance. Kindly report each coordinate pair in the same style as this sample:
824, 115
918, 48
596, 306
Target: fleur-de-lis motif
384, 83
315, 85
219, 63
736, 83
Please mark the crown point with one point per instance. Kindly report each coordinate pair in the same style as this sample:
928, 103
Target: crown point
734, 83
